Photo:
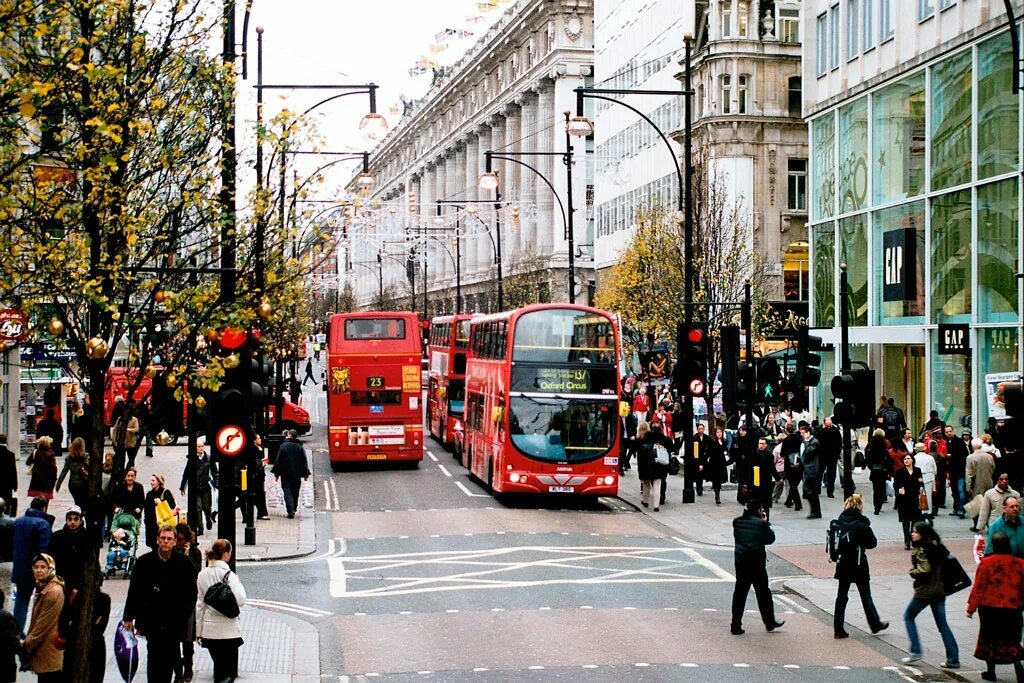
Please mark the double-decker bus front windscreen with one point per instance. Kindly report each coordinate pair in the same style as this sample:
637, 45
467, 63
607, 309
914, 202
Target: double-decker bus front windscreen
562, 429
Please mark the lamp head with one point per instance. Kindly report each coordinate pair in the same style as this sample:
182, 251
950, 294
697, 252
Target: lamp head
579, 126
488, 181
366, 181
373, 126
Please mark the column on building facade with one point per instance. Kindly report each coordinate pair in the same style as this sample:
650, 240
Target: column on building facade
452, 190
511, 180
459, 192
438, 259
485, 252
498, 125
473, 263
528, 130
547, 141
411, 226
424, 209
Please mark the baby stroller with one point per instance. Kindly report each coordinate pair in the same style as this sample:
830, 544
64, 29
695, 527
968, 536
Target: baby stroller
123, 545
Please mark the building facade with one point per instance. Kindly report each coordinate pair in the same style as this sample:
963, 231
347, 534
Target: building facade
508, 95
915, 186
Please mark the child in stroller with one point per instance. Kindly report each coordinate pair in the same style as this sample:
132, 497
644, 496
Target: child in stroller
124, 543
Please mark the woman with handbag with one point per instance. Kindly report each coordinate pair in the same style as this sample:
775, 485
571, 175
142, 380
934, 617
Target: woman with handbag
217, 614
158, 493
929, 591
998, 597
647, 466
42, 464
909, 485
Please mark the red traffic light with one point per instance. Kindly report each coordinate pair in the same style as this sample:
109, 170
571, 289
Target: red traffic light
695, 335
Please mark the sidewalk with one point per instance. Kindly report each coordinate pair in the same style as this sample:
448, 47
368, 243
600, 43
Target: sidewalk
801, 542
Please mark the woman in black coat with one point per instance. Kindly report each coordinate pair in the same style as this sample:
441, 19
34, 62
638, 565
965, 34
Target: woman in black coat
129, 495
879, 464
157, 492
852, 566
716, 472
908, 482
649, 471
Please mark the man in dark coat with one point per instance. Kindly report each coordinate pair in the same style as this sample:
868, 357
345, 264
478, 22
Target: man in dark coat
752, 533
831, 440
794, 468
8, 477
32, 533
205, 472
852, 566
69, 547
702, 447
290, 469
50, 426
161, 598
810, 456
760, 477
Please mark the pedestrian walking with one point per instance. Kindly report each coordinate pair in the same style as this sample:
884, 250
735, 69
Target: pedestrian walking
69, 547
204, 470
1009, 525
290, 469
629, 426
876, 457
926, 463
752, 533
46, 660
702, 445
909, 484
8, 477
157, 492
980, 470
42, 464
956, 452
133, 435
647, 467
790, 449
926, 570
32, 532
77, 466
255, 463
992, 502
715, 468
810, 456
10, 644
217, 632
129, 495
761, 477
856, 538
50, 427
185, 544
100, 619
310, 375
161, 597
831, 440
998, 597
893, 419
641, 403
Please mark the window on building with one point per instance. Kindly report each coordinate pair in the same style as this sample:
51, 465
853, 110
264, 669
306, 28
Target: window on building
796, 272
867, 15
789, 23
925, 9
741, 92
700, 100
726, 19
725, 90
796, 184
821, 35
886, 21
833, 37
946, 4
852, 29
742, 16
796, 97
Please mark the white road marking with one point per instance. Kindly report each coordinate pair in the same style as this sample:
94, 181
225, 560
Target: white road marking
689, 665
334, 492
327, 496
338, 585
790, 666
789, 602
432, 456
288, 607
443, 469
741, 665
590, 666
470, 493
841, 668
481, 668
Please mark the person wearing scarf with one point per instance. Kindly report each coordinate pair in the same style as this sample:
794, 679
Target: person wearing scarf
45, 659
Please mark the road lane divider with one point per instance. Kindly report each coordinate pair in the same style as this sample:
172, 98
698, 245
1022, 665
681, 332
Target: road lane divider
288, 607
443, 469
470, 493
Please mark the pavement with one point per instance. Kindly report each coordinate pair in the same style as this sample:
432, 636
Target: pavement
800, 542
278, 648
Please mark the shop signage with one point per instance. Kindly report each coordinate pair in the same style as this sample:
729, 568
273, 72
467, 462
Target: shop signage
791, 315
13, 325
955, 339
899, 259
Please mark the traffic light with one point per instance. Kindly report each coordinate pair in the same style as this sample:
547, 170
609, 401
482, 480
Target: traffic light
769, 382
808, 361
854, 393
691, 371
746, 384
729, 351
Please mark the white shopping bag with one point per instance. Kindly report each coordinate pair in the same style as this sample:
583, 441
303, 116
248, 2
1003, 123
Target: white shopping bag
306, 494
275, 494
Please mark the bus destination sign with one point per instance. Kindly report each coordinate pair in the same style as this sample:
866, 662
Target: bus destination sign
565, 380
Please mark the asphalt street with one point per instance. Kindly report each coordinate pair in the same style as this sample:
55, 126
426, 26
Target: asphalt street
422, 575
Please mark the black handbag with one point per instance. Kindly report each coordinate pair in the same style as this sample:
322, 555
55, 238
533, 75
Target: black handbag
219, 597
954, 578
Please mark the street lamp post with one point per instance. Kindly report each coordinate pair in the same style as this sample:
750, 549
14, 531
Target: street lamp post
495, 240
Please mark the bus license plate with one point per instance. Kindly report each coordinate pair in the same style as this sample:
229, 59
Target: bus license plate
376, 456
561, 489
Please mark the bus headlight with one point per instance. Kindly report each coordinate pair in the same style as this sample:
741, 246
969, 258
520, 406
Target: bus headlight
609, 480
516, 478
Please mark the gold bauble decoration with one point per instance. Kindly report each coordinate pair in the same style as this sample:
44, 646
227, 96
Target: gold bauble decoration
171, 381
265, 310
231, 362
150, 371
212, 336
163, 438
96, 347
200, 402
56, 327
160, 296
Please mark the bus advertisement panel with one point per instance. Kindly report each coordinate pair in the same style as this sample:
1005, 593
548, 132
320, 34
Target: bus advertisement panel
542, 388
374, 388
447, 350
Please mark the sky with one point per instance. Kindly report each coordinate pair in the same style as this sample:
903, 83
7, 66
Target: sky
349, 42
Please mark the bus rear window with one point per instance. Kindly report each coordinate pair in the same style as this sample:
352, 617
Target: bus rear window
387, 397
374, 328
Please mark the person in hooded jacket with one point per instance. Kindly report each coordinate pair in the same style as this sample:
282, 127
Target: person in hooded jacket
852, 567
46, 659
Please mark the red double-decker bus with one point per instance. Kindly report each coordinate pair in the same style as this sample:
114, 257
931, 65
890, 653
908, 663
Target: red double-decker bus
542, 387
374, 388
447, 350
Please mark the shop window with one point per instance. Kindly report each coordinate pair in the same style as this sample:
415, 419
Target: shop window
951, 385
997, 109
853, 240
823, 164
997, 252
853, 156
899, 264
796, 97
796, 272
898, 140
951, 257
796, 184
951, 121
825, 283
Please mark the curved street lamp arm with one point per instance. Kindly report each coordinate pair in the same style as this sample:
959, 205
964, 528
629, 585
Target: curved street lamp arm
679, 173
365, 156
561, 206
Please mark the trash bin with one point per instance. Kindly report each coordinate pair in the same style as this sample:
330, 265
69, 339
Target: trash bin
273, 443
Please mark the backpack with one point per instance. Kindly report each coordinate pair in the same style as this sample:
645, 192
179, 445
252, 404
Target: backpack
891, 417
838, 540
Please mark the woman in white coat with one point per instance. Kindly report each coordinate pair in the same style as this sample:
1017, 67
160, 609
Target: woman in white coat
216, 632
929, 469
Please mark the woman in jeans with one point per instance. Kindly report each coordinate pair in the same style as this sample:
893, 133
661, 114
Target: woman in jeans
928, 556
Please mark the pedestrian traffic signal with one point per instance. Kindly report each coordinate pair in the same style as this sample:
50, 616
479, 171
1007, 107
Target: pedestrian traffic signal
808, 361
769, 382
691, 371
854, 392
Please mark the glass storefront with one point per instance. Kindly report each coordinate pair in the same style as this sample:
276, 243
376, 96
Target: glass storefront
915, 187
